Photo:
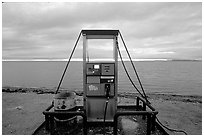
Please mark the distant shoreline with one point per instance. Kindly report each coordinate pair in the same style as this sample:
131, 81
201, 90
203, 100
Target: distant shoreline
136, 60
155, 96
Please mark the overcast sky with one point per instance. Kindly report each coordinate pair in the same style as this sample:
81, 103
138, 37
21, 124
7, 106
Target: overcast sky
150, 30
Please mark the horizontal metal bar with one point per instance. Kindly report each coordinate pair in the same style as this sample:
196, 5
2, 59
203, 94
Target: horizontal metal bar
100, 36
98, 96
100, 32
122, 113
63, 112
131, 107
126, 106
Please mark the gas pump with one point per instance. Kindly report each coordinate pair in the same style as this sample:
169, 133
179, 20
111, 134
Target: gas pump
100, 79
100, 90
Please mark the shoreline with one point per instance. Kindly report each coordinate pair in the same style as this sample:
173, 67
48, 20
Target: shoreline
81, 60
167, 96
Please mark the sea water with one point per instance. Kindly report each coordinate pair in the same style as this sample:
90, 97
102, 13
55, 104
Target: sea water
166, 77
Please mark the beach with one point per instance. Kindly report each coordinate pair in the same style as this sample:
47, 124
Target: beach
22, 110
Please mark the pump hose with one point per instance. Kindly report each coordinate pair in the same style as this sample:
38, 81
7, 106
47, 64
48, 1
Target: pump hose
129, 75
68, 63
175, 130
144, 96
171, 129
106, 105
133, 66
104, 119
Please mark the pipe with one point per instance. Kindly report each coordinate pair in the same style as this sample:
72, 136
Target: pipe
104, 120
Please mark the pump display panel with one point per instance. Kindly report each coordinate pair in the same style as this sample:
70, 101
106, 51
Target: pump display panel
100, 79
93, 69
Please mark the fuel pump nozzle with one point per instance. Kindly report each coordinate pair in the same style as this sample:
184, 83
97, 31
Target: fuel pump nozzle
107, 91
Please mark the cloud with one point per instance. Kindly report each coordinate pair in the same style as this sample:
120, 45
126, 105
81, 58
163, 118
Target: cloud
49, 30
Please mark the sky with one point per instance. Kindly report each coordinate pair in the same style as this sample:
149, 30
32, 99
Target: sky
150, 30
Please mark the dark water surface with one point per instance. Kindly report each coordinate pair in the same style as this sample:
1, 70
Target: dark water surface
169, 77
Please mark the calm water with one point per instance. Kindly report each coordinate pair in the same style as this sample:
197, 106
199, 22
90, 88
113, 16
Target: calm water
171, 77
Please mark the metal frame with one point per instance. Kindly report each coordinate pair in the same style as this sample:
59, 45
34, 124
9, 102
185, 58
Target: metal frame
81, 110
138, 110
49, 118
100, 32
141, 110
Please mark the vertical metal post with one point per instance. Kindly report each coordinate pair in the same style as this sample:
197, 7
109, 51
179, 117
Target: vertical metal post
84, 68
115, 127
52, 124
138, 103
148, 124
85, 125
144, 109
115, 52
153, 121
47, 120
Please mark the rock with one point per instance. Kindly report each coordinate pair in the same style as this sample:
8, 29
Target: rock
35, 90
19, 107
128, 126
134, 119
40, 91
23, 91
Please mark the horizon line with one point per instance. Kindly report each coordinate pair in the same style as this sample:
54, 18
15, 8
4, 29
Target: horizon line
78, 59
